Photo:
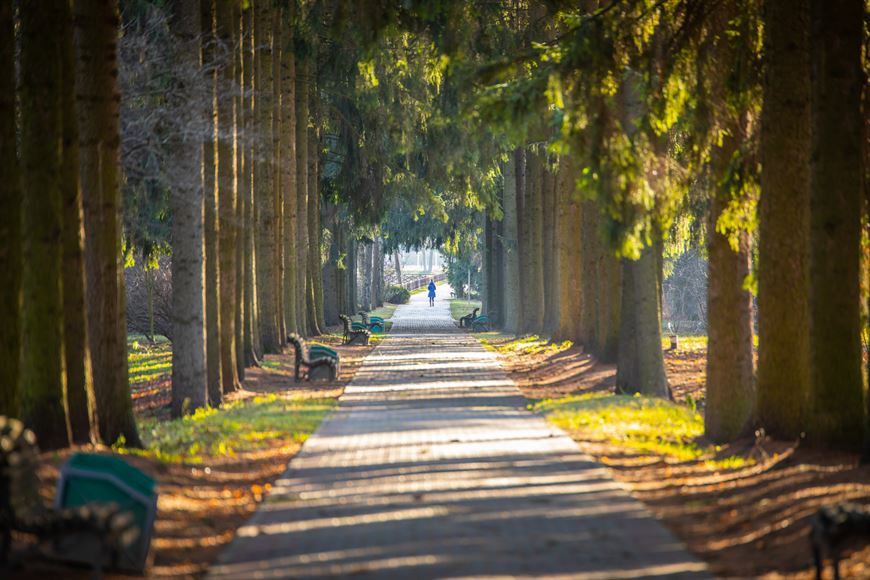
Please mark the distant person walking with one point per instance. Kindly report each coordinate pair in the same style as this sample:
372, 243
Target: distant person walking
431, 292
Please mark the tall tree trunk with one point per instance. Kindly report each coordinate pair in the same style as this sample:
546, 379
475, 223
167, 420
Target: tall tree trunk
640, 366
569, 248
318, 227
730, 389
783, 229
251, 326
550, 257
513, 320
315, 200
835, 222
288, 180
214, 376
353, 291
227, 191
81, 404
397, 259
189, 378
488, 263
42, 374
524, 237
97, 24
279, 13
498, 263
640, 362
331, 284
610, 303
264, 182
241, 187
302, 71
533, 315
367, 277
10, 221
313, 215
378, 274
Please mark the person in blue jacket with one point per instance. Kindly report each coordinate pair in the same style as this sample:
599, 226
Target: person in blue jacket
431, 293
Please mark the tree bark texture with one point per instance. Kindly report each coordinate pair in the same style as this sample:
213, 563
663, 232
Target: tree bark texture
278, 14
378, 274
214, 373
835, 222
80, 398
288, 181
330, 268
97, 23
251, 326
367, 276
302, 70
569, 270
353, 291
640, 362
264, 183
397, 261
227, 190
313, 214
730, 398
513, 321
550, 256
241, 188
730, 389
43, 385
783, 230
10, 221
189, 377
533, 314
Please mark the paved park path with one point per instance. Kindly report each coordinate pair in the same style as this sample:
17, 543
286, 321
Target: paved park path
433, 468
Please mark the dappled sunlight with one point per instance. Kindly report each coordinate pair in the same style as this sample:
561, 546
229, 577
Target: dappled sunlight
729, 503
432, 467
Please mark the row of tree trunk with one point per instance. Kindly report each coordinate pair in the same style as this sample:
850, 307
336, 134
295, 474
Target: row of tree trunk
548, 269
63, 348
249, 231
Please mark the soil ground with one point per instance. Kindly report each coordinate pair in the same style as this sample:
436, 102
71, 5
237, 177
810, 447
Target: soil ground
201, 505
751, 521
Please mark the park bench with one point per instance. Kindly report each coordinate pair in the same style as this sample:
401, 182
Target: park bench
482, 323
319, 361
836, 528
465, 321
22, 510
374, 324
355, 333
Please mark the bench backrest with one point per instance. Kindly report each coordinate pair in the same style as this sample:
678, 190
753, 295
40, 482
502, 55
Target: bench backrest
300, 349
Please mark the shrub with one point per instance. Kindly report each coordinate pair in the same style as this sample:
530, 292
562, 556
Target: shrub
397, 295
